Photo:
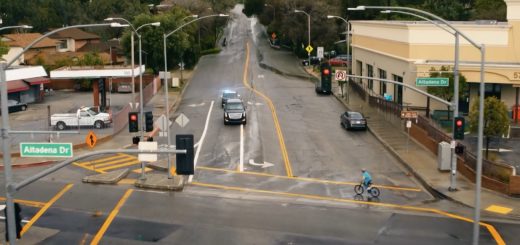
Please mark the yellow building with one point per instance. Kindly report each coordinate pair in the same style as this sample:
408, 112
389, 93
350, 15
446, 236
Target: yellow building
405, 50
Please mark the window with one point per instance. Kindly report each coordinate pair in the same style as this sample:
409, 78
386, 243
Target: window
382, 85
62, 44
493, 90
398, 89
359, 68
370, 73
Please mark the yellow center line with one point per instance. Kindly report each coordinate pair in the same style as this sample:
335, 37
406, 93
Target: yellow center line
281, 140
307, 179
44, 209
491, 229
111, 217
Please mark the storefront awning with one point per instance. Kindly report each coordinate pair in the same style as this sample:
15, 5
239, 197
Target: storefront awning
37, 80
16, 86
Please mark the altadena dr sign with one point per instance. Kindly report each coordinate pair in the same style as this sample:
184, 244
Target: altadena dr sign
46, 149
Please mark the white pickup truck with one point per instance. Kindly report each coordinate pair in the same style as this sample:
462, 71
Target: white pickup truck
85, 116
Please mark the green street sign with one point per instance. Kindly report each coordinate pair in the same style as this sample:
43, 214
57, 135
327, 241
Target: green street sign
46, 149
432, 81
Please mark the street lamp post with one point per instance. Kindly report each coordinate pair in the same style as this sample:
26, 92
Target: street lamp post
482, 49
165, 36
10, 191
135, 31
347, 41
455, 104
308, 30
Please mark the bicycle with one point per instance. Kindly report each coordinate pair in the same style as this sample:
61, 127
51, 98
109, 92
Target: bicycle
373, 191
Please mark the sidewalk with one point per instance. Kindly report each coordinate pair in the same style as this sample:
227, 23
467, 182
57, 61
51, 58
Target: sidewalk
122, 139
419, 161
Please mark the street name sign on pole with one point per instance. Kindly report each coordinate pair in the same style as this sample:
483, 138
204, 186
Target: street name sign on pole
163, 123
46, 150
432, 82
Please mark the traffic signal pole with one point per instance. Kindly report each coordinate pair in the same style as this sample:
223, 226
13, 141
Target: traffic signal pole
453, 176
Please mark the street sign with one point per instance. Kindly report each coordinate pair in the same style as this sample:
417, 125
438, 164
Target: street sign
182, 120
341, 75
46, 149
309, 49
320, 52
145, 145
162, 123
408, 124
409, 115
91, 139
168, 75
432, 81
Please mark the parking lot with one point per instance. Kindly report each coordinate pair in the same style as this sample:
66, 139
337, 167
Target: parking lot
37, 116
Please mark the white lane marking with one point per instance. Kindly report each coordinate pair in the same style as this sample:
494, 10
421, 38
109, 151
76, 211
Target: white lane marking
263, 165
197, 105
201, 141
241, 164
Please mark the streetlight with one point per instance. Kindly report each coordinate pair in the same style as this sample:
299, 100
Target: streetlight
14, 27
347, 34
135, 31
274, 10
10, 191
455, 105
482, 49
166, 81
309, 30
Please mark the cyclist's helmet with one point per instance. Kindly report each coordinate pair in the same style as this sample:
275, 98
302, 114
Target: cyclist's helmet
363, 170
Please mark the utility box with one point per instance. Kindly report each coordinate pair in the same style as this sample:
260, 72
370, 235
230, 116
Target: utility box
444, 156
175, 82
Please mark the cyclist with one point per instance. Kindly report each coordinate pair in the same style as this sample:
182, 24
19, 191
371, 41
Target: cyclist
367, 179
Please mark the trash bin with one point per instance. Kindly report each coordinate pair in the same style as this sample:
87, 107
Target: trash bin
444, 156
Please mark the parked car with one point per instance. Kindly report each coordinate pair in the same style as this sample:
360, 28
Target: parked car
124, 87
345, 57
338, 62
235, 112
228, 94
14, 106
353, 120
85, 116
314, 61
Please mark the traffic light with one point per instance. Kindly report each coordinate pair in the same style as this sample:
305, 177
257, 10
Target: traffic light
458, 130
148, 119
184, 163
326, 73
133, 122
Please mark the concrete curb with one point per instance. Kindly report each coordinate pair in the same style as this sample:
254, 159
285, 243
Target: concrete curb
28, 165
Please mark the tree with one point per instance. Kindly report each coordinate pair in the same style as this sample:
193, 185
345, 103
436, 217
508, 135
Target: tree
447, 92
253, 7
3, 49
496, 119
482, 7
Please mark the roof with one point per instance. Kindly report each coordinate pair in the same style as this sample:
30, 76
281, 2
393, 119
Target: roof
74, 33
234, 101
24, 39
16, 86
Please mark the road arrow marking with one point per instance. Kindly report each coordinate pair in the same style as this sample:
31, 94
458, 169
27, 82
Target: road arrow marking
263, 165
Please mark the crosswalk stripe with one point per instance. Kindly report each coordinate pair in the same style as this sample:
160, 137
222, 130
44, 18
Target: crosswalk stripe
101, 165
138, 170
101, 160
120, 165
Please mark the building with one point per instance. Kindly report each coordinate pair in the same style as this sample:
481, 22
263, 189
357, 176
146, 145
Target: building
18, 41
405, 50
25, 84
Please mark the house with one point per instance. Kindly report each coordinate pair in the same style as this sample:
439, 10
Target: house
18, 41
71, 40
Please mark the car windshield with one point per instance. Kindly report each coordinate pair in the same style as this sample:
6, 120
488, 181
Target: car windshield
230, 95
234, 106
93, 113
355, 115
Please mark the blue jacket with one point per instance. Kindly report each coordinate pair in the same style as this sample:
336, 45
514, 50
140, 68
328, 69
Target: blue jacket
366, 178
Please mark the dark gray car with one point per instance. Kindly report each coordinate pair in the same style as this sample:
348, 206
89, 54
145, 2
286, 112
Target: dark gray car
235, 112
353, 120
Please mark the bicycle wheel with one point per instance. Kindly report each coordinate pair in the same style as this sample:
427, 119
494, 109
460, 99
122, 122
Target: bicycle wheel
375, 192
358, 189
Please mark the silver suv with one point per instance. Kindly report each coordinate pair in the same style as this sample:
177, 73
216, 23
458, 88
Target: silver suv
235, 112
